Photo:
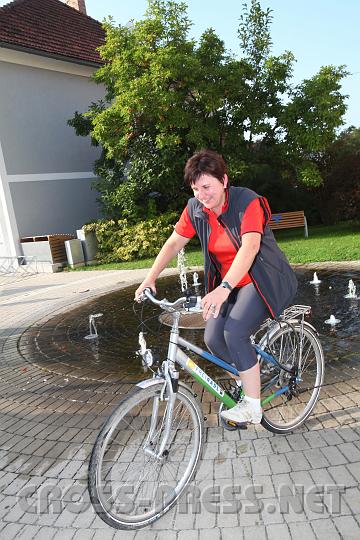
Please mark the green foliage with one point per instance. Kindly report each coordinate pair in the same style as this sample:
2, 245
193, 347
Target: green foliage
340, 242
339, 196
168, 96
120, 241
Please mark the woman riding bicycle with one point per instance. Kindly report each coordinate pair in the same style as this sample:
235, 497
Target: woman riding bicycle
247, 277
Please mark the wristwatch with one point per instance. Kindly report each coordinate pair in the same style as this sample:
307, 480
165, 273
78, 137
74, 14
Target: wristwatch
226, 285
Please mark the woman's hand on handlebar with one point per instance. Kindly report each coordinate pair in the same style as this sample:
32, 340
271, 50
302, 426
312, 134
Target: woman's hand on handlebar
147, 283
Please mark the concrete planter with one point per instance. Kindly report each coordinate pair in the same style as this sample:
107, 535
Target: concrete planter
89, 245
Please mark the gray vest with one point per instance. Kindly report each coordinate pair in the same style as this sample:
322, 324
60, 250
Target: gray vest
270, 272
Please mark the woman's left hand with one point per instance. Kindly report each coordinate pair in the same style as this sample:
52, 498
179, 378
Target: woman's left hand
212, 302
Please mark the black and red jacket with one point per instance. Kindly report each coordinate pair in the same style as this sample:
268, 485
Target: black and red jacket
270, 272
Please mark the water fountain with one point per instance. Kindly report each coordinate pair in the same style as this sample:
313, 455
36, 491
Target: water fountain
183, 280
92, 326
351, 291
332, 320
182, 269
315, 280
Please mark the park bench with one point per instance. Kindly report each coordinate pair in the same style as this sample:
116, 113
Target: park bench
287, 220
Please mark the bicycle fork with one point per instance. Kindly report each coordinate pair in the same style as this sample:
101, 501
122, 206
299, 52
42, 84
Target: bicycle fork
160, 453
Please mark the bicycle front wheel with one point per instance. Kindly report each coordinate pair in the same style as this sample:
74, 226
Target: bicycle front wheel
296, 347
130, 484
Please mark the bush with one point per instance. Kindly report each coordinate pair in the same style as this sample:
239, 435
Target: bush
118, 241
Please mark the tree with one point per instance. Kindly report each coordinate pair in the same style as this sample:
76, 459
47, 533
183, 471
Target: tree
168, 95
339, 196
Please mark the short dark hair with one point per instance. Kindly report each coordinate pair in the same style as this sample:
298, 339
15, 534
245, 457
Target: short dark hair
204, 162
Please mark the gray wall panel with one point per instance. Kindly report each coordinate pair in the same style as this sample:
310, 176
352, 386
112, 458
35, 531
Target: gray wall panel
35, 105
54, 206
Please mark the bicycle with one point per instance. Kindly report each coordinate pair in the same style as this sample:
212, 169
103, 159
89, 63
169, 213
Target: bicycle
147, 451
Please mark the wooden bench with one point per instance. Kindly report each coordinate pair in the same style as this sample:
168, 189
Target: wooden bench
287, 220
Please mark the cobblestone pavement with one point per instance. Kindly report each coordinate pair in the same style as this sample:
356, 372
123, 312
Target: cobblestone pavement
250, 483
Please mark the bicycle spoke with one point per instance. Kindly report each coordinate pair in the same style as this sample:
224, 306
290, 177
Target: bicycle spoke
133, 485
298, 348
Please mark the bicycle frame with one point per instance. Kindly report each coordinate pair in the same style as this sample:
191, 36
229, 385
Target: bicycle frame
175, 354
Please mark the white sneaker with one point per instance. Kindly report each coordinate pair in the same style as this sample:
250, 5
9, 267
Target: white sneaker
242, 413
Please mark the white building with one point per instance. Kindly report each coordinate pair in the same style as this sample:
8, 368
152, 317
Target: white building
47, 54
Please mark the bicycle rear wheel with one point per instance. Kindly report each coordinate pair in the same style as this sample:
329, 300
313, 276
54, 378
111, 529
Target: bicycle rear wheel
130, 487
295, 347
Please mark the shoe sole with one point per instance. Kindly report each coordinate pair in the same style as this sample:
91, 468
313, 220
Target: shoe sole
234, 422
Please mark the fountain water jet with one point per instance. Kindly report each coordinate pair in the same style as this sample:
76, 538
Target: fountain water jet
332, 320
315, 280
351, 290
92, 326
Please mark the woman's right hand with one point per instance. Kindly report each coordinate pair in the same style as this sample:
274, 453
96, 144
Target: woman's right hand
147, 283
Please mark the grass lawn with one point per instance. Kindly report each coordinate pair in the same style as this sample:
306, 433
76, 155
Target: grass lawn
339, 242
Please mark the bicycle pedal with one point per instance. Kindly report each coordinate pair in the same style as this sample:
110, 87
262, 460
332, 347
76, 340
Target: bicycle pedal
235, 424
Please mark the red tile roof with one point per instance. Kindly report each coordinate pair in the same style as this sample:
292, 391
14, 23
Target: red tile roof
51, 27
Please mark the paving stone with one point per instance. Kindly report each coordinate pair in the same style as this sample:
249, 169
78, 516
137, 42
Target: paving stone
161, 535
46, 533
227, 450
271, 512
125, 535
205, 470
27, 532
184, 521
227, 520
211, 450
301, 530
331, 436
348, 434
316, 458
214, 434
325, 529
350, 451
280, 445
11, 531
232, 533
333, 455
279, 464
14, 515
297, 442
205, 519
354, 469
352, 499
260, 465
83, 534
298, 461
262, 447
315, 439
342, 477
245, 449
348, 527
278, 532
210, 534
255, 533
188, 535
223, 468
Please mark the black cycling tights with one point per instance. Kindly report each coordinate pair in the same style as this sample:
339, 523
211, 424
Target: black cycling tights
228, 336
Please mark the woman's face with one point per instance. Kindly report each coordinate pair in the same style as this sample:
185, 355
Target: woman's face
210, 192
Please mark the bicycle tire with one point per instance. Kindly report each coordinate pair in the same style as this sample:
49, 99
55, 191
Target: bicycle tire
288, 411
128, 488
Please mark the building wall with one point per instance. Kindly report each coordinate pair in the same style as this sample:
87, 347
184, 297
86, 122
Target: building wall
46, 174
71, 202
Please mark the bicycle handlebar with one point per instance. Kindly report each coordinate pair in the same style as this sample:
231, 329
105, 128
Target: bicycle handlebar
164, 303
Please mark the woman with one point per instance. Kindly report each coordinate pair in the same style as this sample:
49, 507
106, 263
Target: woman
247, 277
